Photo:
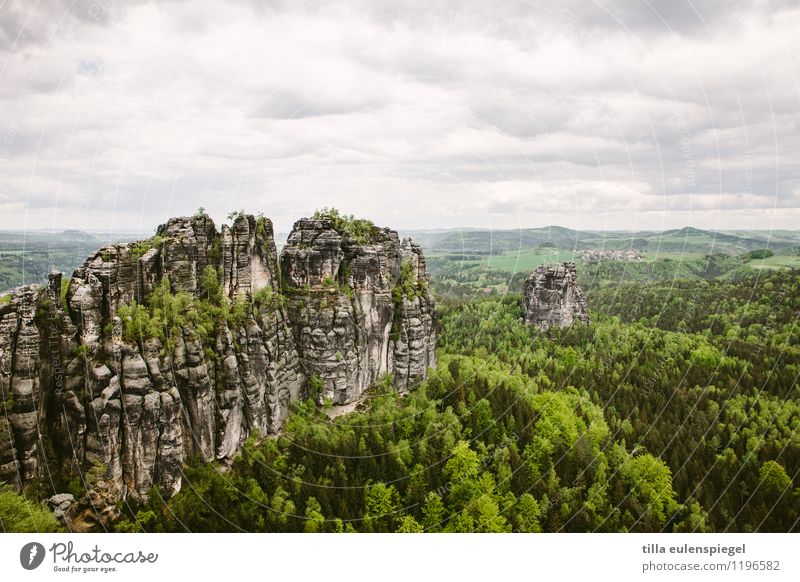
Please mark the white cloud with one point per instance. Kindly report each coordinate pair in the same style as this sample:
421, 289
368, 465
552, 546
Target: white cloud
124, 114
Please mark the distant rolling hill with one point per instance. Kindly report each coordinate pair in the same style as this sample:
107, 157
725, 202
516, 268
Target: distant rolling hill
688, 240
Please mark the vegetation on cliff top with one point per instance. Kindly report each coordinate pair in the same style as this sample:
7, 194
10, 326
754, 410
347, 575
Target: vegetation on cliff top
361, 230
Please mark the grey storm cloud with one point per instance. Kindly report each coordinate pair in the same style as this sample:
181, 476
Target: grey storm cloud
598, 114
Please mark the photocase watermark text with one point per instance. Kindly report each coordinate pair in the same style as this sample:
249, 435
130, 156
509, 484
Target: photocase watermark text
65, 553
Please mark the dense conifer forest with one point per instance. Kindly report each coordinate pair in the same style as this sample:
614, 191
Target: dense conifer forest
675, 410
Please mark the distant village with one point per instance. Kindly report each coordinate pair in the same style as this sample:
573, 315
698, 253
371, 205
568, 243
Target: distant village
595, 255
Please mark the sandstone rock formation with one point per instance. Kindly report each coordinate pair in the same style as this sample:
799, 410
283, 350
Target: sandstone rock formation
359, 309
88, 389
552, 297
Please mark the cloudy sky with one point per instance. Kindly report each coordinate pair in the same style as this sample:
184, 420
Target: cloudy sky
605, 114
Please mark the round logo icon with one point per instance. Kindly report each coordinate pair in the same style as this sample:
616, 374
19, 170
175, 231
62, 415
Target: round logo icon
31, 555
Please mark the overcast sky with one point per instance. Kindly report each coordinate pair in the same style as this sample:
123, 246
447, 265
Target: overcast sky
614, 114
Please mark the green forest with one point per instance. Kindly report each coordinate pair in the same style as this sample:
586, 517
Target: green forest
675, 410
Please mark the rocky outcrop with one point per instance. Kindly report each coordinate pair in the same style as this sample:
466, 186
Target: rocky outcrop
95, 511
359, 307
552, 297
20, 387
107, 384
415, 337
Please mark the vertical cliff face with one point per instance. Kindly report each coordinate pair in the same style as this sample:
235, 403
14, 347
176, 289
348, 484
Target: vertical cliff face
552, 297
20, 387
183, 345
359, 306
415, 340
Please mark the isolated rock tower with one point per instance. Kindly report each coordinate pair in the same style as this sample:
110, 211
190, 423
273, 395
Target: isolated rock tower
553, 297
